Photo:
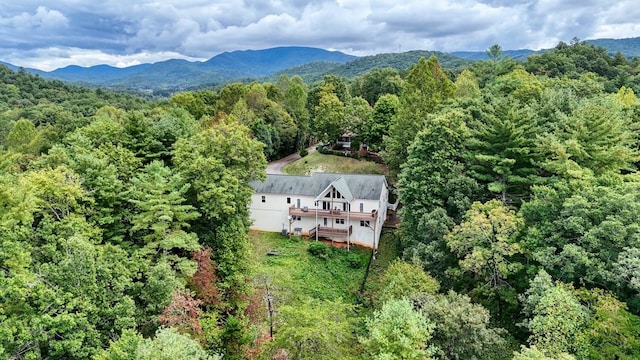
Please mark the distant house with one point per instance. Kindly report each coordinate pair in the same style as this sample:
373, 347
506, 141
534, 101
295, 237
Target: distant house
342, 207
345, 139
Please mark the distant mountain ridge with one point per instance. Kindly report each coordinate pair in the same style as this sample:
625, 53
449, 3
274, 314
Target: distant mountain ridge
10, 66
629, 47
176, 74
308, 62
268, 61
482, 55
399, 61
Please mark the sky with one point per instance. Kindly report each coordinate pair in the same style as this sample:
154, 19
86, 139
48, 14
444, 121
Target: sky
49, 34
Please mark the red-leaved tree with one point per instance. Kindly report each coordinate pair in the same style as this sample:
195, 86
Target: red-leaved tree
204, 279
182, 314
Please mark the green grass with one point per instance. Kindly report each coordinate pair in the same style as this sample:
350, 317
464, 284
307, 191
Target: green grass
294, 275
316, 162
388, 251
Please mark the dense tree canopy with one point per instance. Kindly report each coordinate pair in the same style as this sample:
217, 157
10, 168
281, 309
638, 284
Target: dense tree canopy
124, 222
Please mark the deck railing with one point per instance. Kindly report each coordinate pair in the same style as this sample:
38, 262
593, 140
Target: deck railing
333, 214
325, 231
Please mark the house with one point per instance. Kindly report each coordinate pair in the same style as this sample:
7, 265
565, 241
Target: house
345, 139
347, 208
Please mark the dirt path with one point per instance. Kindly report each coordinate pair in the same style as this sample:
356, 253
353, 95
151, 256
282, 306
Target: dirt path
275, 167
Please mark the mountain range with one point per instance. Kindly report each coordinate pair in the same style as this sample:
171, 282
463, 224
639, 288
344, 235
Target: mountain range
310, 63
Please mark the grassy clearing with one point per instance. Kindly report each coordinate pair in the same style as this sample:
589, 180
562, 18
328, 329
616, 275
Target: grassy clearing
294, 275
316, 162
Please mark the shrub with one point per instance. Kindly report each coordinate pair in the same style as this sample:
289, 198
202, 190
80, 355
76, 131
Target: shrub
319, 250
355, 261
304, 152
344, 153
355, 143
323, 150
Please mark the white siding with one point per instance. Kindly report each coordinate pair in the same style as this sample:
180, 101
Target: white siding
272, 215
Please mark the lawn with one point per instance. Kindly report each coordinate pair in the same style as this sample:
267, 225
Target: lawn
286, 273
317, 162
294, 275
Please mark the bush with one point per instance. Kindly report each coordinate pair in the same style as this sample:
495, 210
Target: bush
304, 152
323, 150
319, 250
355, 143
355, 261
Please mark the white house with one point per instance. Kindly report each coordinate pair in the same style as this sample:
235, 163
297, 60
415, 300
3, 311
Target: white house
343, 207
345, 139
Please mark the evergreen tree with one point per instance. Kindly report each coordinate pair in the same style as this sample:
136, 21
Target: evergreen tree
161, 217
501, 152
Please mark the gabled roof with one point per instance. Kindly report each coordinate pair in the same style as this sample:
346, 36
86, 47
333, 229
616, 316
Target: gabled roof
339, 184
358, 186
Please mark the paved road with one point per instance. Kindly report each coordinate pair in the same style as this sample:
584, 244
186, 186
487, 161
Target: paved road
275, 167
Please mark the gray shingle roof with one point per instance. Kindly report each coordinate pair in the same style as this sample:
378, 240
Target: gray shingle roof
361, 186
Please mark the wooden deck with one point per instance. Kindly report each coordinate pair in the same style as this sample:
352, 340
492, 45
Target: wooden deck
334, 214
329, 232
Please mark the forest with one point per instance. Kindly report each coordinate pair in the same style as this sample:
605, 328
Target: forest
124, 224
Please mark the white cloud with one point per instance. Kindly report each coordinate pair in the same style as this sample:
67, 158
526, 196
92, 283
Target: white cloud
48, 59
125, 31
42, 19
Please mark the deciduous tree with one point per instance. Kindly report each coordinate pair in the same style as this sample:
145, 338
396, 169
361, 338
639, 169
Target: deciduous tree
396, 331
426, 87
317, 330
462, 329
403, 279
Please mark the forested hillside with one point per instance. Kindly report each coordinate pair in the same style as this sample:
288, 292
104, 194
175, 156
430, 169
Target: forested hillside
173, 75
124, 222
312, 72
628, 47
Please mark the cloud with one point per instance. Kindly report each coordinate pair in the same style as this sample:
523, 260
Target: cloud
39, 24
53, 58
126, 31
325, 25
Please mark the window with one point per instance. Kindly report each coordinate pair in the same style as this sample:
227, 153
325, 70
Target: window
339, 221
365, 223
264, 198
325, 221
288, 200
361, 207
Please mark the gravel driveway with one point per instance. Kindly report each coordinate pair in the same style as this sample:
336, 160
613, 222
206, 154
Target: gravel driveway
275, 167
